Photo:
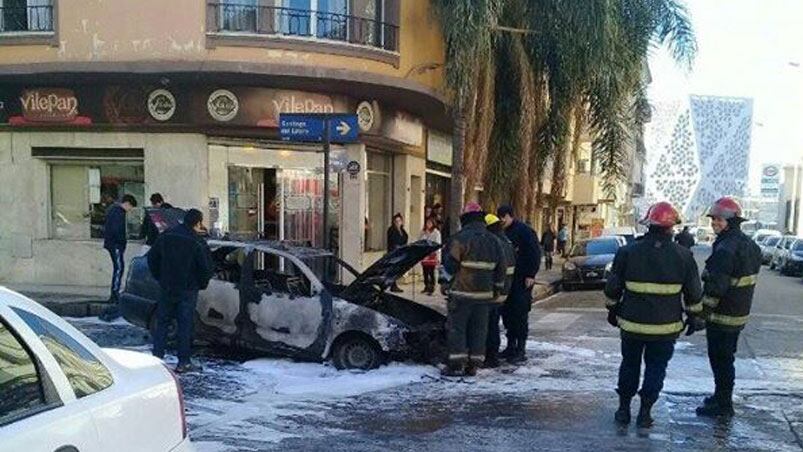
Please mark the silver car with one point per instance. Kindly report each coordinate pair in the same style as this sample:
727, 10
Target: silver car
781, 248
767, 245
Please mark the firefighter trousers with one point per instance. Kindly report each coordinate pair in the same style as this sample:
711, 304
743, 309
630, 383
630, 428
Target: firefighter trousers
467, 326
721, 350
656, 355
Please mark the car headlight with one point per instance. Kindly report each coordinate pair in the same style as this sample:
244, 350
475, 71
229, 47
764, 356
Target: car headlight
569, 266
609, 267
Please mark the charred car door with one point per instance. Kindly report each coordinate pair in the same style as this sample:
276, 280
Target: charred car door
280, 312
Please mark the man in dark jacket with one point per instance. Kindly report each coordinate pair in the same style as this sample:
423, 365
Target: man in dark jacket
516, 310
182, 263
729, 282
684, 238
644, 300
397, 238
548, 243
149, 230
474, 257
115, 239
494, 225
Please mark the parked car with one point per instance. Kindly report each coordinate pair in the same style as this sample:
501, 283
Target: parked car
762, 234
767, 246
629, 233
283, 300
790, 261
590, 261
61, 392
780, 248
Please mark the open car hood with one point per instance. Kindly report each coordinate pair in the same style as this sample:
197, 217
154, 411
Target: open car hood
390, 267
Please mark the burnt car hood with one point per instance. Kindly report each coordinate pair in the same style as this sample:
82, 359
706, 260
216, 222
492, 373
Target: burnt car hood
596, 260
390, 267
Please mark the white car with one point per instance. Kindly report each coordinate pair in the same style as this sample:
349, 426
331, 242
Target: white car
60, 392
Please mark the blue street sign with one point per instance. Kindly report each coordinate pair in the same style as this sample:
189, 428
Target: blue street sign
343, 128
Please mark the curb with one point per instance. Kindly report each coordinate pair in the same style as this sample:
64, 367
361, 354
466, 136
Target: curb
72, 308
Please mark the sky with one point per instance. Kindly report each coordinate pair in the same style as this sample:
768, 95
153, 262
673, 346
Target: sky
746, 48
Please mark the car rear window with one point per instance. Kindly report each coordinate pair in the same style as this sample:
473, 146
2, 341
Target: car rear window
20, 385
595, 247
86, 374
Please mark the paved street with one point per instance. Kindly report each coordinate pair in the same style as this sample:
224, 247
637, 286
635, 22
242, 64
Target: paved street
562, 399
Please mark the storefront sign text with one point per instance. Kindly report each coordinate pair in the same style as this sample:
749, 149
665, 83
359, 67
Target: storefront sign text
49, 105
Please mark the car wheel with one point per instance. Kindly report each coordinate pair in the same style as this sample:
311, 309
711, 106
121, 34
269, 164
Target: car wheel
356, 352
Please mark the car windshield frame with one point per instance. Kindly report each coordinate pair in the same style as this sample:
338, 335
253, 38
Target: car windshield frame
774, 238
582, 248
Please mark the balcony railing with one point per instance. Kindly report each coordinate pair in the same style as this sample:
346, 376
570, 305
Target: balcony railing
273, 20
31, 18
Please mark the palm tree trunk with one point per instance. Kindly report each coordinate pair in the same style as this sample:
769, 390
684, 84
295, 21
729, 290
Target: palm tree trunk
458, 176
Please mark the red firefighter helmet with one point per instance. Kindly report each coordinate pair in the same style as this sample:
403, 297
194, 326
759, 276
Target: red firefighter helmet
661, 214
725, 208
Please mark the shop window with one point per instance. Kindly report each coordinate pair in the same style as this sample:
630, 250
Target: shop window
378, 200
81, 193
86, 374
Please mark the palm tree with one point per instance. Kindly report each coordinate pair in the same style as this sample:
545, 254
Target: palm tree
467, 27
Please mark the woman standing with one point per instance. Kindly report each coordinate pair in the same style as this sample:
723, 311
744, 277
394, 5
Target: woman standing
431, 233
397, 238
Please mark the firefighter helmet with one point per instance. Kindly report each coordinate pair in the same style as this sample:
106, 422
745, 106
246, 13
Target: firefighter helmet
662, 214
726, 208
491, 219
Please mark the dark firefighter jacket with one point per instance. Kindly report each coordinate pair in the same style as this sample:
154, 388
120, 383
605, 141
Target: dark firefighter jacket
729, 280
509, 256
528, 252
474, 257
644, 289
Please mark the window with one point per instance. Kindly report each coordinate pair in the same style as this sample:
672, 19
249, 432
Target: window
279, 275
22, 15
86, 374
81, 193
20, 384
238, 15
595, 247
378, 200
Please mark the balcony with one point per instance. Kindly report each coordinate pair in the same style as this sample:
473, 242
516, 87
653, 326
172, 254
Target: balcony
247, 24
26, 23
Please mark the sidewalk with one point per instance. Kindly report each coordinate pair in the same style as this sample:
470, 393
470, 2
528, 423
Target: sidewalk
67, 301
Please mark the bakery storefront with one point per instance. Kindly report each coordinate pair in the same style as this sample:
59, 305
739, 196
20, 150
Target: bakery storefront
69, 152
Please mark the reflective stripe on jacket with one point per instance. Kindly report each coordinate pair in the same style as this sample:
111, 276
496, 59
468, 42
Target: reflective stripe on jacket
729, 280
475, 257
650, 281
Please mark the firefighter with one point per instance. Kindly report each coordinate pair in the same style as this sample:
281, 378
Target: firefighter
495, 226
474, 258
644, 291
729, 280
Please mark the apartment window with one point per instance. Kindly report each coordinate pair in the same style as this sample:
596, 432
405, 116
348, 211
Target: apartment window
82, 192
26, 15
378, 199
238, 15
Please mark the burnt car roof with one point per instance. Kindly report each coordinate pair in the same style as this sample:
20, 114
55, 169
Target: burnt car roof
291, 248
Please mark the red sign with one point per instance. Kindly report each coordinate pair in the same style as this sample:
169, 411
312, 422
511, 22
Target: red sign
49, 105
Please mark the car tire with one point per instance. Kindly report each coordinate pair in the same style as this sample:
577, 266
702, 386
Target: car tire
356, 352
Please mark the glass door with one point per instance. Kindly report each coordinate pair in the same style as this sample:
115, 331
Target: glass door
302, 207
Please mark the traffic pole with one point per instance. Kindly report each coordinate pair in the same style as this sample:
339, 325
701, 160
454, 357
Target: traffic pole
326, 147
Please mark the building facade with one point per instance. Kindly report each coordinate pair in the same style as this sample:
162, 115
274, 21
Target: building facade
698, 150
186, 101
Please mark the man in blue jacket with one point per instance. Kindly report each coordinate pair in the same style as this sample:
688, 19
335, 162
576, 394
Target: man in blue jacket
516, 310
182, 263
115, 239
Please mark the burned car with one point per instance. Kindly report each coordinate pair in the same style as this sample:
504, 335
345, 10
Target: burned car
283, 300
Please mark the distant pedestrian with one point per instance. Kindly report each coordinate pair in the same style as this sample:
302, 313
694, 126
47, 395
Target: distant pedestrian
149, 230
516, 310
430, 262
181, 262
684, 238
397, 238
492, 344
474, 258
115, 239
548, 243
442, 222
563, 239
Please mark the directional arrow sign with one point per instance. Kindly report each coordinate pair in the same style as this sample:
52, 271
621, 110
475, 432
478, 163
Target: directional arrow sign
310, 128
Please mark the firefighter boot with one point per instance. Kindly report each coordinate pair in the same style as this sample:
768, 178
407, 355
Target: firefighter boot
453, 369
491, 361
519, 354
721, 405
622, 415
644, 419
